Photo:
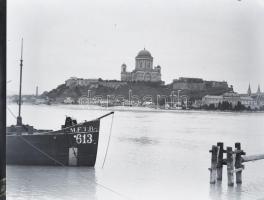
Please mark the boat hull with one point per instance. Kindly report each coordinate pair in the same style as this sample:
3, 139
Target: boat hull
75, 145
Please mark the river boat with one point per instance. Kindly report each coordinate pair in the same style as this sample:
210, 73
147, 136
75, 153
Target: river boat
74, 144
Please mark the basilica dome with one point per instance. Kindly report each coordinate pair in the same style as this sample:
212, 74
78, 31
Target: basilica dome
144, 53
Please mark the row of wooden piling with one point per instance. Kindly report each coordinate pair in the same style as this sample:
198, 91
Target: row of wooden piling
233, 161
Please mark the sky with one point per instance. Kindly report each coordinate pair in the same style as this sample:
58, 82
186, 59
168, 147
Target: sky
210, 39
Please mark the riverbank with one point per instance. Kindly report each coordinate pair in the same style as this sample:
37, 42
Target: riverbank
135, 108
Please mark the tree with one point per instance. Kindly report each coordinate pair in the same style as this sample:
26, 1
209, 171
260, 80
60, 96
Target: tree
162, 101
205, 107
211, 107
225, 105
239, 106
219, 106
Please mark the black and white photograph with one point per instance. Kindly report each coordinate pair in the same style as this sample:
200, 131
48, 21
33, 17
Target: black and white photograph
132, 100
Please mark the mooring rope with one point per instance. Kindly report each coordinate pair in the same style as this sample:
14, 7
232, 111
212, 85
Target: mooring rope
61, 164
45, 154
111, 190
108, 143
10, 111
58, 162
95, 182
75, 154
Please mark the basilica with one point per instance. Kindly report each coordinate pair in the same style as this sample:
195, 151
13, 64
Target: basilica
143, 71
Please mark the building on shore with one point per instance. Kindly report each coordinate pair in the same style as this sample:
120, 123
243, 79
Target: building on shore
212, 99
258, 96
74, 81
230, 97
112, 84
93, 83
68, 100
143, 71
198, 84
249, 100
249, 90
184, 83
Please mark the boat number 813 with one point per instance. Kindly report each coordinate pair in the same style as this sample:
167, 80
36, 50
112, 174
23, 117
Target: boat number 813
83, 138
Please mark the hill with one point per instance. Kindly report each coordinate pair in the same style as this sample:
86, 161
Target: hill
117, 88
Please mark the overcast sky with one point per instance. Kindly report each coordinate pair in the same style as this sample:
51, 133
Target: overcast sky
209, 39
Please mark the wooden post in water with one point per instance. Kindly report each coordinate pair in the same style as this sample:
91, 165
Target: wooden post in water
220, 153
213, 169
238, 163
230, 166
233, 161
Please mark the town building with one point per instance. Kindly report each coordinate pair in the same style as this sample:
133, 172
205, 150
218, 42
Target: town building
249, 90
258, 91
231, 97
112, 84
74, 81
68, 100
212, 99
93, 83
248, 102
258, 97
143, 71
185, 83
251, 100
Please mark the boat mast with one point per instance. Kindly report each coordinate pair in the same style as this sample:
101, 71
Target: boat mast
19, 118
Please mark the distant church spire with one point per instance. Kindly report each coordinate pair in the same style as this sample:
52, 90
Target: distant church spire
249, 90
258, 92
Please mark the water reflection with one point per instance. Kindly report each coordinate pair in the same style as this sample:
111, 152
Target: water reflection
50, 183
238, 191
217, 192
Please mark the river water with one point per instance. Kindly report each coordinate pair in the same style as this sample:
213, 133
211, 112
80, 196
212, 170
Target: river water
152, 155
